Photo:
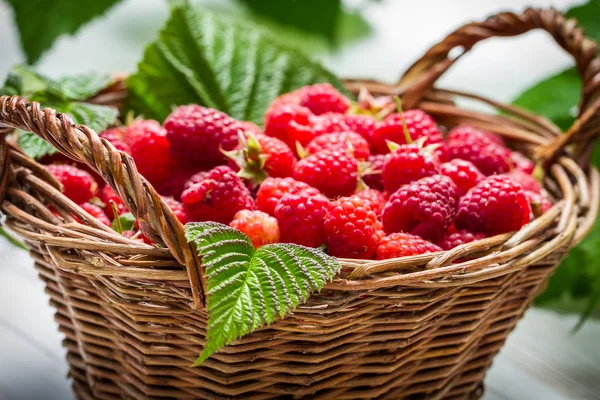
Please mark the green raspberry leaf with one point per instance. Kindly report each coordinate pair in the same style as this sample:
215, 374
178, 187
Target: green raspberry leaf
556, 98
24, 81
248, 289
124, 222
82, 87
219, 62
66, 95
34, 146
41, 22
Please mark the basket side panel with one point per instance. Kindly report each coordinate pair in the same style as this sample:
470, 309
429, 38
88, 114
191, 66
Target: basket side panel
400, 343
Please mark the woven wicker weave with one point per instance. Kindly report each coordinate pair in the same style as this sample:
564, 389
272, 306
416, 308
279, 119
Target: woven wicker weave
423, 326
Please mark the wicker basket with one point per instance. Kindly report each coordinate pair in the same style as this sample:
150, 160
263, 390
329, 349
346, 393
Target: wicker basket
424, 326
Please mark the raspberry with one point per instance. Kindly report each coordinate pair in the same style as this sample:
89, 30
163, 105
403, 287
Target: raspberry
177, 209
150, 150
251, 127
139, 129
375, 198
78, 185
348, 141
261, 156
465, 133
406, 164
301, 218
322, 98
216, 195
273, 189
490, 159
364, 125
463, 173
116, 137
352, 229
334, 173
404, 244
329, 123
260, 227
373, 177
419, 124
286, 98
107, 195
425, 207
539, 204
289, 123
175, 183
521, 162
495, 205
197, 134
96, 212
526, 181
460, 237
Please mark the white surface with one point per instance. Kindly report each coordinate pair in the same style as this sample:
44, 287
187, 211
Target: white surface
541, 360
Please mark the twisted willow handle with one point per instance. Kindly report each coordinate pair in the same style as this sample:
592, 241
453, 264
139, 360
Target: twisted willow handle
118, 169
422, 75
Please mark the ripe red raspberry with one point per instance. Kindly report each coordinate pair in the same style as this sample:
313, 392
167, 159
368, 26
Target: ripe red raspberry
521, 162
286, 98
260, 227
289, 123
375, 198
350, 142
364, 125
490, 159
216, 195
404, 244
107, 195
495, 205
526, 181
419, 125
329, 123
373, 177
465, 133
273, 189
96, 212
352, 228
261, 156
251, 127
322, 98
539, 204
301, 218
463, 173
425, 207
150, 150
116, 137
177, 209
334, 173
78, 185
197, 134
406, 164
460, 237
175, 183
139, 129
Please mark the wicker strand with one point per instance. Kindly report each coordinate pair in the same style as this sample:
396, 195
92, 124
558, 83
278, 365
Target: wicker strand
4, 163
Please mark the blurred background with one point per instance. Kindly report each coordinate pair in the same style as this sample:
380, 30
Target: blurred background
545, 358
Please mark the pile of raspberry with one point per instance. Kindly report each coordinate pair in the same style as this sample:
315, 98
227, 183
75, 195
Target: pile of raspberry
362, 180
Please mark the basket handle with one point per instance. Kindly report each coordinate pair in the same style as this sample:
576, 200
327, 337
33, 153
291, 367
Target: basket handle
118, 169
422, 75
